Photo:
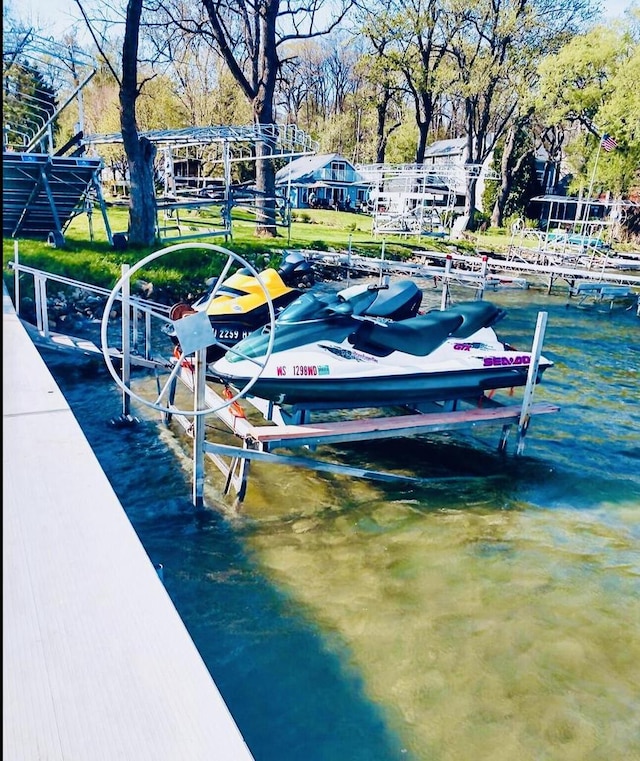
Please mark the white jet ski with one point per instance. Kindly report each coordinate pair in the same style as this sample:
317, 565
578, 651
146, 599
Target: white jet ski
332, 352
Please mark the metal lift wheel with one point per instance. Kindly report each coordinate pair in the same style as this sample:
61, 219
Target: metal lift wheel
161, 402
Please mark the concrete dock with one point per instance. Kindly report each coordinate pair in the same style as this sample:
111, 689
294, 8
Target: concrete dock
97, 663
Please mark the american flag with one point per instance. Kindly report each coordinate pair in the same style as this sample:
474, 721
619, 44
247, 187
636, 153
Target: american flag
608, 143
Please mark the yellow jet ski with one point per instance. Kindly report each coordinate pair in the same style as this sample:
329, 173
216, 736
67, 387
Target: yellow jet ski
240, 305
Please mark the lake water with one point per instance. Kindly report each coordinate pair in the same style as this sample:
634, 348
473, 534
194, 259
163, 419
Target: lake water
348, 620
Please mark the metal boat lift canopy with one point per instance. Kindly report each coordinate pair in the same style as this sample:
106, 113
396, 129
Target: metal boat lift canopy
179, 207
42, 194
282, 140
417, 199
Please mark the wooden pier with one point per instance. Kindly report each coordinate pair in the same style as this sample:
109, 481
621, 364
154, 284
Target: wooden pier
485, 271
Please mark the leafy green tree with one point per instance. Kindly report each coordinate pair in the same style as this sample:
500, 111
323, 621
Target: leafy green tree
492, 45
514, 160
407, 51
620, 115
590, 88
381, 75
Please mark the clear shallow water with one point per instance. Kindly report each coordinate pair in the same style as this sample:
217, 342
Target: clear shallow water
495, 618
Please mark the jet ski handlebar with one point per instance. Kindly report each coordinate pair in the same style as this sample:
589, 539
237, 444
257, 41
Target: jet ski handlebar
397, 301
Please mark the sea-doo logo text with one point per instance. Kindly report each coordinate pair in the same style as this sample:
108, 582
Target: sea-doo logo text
521, 359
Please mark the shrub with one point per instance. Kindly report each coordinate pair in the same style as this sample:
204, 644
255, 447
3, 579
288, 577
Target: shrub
318, 245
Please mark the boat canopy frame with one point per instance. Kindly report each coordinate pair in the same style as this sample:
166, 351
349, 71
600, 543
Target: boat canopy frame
418, 199
180, 206
45, 186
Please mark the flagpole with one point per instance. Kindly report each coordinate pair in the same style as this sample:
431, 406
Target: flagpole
585, 211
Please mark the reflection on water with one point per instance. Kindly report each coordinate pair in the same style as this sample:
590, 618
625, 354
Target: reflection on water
492, 618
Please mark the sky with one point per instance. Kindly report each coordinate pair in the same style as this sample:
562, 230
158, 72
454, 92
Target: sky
55, 17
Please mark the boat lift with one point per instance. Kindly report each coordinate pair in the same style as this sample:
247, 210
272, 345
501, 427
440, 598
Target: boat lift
285, 430
278, 431
417, 199
197, 206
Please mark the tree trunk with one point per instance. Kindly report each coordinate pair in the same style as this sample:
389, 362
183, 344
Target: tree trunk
140, 152
470, 208
264, 83
266, 193
142, 199
381, 138
423, 132
506, 179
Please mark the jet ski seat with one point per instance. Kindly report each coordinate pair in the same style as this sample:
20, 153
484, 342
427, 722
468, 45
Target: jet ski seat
475, 315
417, 336
397, 301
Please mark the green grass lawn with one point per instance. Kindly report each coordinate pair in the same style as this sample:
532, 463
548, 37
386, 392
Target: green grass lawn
88, 257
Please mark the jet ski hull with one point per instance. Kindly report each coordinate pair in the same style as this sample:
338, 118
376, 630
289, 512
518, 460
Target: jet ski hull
340, 361
384, 390
335, 373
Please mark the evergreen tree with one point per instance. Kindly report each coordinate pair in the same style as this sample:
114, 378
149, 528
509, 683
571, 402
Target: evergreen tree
28, 103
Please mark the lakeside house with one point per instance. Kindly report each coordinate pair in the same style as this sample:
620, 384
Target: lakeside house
326, 180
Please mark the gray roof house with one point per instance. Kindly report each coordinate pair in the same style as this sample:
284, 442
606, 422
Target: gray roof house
450, 156
326, 180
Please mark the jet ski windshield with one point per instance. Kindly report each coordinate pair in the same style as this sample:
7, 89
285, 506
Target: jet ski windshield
352, 301
309, 306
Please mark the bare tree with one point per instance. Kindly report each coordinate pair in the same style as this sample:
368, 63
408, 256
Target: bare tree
139, 150
251, 37
304, 87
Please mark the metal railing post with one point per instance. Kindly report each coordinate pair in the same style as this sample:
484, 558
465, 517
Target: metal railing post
42, 309
445, 282
483, 278
199, 428
16, 277
126, 342
532, 375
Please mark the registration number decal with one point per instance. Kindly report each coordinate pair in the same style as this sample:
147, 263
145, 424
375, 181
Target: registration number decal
230, 334
303, 371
